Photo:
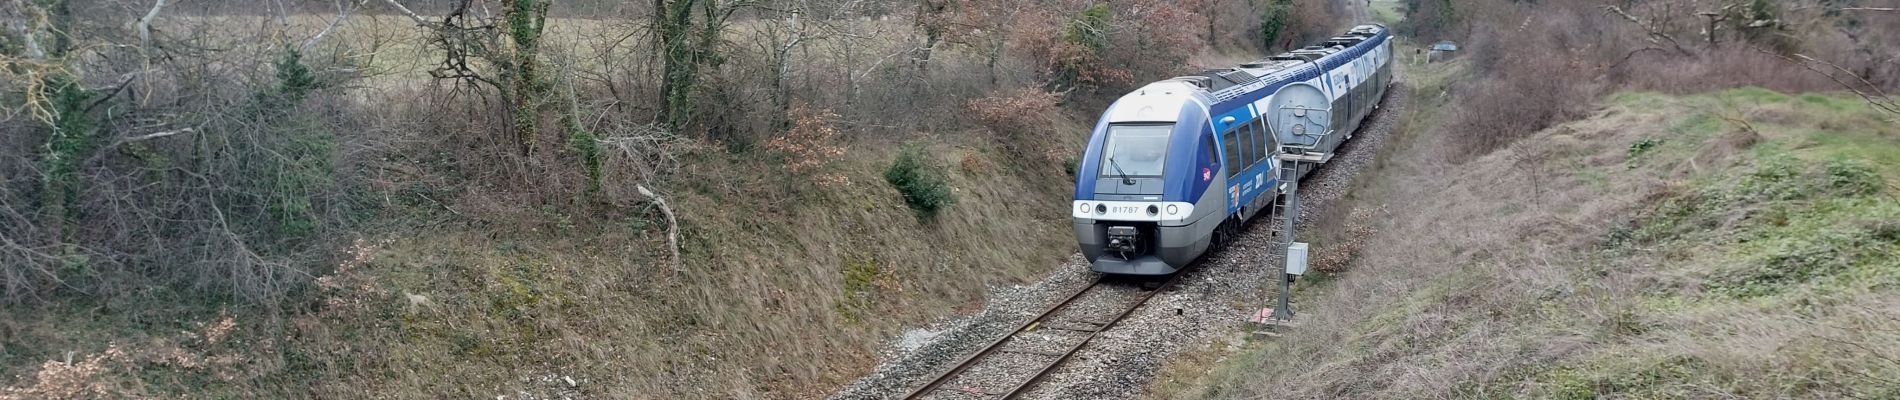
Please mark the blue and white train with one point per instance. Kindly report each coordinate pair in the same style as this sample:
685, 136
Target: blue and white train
1178, 166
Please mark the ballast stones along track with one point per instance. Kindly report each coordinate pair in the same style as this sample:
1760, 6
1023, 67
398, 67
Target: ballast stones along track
926, 351
1014, 364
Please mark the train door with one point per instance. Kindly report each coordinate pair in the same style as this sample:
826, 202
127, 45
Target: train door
1351, 110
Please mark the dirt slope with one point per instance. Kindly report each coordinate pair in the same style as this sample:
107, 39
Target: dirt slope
1730, 244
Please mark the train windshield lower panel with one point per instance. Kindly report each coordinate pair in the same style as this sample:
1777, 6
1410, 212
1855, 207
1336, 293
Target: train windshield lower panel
1135, 151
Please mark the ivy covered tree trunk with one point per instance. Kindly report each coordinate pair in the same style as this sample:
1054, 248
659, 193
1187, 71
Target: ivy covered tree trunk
65, 101
681, 68
686, 46
60, 14
526, 20
73, 140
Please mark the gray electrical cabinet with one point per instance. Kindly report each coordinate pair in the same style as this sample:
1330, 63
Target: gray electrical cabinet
1296, 259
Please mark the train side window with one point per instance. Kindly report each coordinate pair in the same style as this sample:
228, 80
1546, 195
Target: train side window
1266, 139
1213, 153
1268, 146
1253, 144
1246, 146
1228, 143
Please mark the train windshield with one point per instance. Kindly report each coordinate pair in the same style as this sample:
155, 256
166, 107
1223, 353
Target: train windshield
1135, 150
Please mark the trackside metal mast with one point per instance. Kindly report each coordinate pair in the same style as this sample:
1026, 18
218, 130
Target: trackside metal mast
1286, 217
1302, 123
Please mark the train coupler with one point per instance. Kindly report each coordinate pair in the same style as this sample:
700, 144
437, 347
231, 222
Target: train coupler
1124, 240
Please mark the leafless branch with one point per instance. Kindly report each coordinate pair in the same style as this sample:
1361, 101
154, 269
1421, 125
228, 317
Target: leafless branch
1654, 35
420, 21
124, 82
1863, 348
151, 136
145, 24
1875, 97
343, 13
1632, 55
29, 30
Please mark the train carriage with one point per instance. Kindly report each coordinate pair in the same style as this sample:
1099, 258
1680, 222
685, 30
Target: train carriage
1176, 167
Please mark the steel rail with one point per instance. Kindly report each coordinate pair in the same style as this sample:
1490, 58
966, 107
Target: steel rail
1062, 357
1020, 389
994, 345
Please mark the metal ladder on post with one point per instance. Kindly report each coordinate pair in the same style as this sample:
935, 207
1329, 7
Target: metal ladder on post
1286, 218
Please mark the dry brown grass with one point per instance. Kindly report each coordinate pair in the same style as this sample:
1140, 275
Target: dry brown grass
1503, 278
1537, 65
800, 299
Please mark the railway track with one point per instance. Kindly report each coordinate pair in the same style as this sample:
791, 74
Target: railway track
1064, 326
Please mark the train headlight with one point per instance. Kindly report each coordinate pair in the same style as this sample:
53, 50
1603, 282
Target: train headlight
1083, 208
1172, 209
1152, 210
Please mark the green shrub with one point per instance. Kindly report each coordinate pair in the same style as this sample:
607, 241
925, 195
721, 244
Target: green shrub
1087, 32
294, 80
1089, 29
295, 150
1852, 177
1776, 178
1273, 22
923, 185
1641, 147
1792, 262
294, 83
10, 44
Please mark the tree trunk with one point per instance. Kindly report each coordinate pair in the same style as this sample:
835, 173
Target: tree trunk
1211, 13
930, 20
61, 14
781, 92
525, 21
680, 62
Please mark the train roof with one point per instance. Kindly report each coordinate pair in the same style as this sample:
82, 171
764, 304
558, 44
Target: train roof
1216, 81
1156, 102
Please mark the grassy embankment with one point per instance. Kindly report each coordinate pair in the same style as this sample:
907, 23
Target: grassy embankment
1737, 243
787, 288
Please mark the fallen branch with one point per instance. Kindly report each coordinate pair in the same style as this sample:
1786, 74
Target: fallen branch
1741, 123
672, 225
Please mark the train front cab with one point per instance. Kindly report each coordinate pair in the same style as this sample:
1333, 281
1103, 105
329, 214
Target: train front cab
1139, 196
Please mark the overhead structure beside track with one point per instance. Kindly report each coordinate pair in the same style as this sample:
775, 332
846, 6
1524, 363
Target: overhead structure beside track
1302, 121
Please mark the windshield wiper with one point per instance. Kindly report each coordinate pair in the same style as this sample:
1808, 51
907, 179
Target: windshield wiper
1118, 169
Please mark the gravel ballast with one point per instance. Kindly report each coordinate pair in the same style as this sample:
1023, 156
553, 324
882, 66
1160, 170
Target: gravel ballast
1214, 298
